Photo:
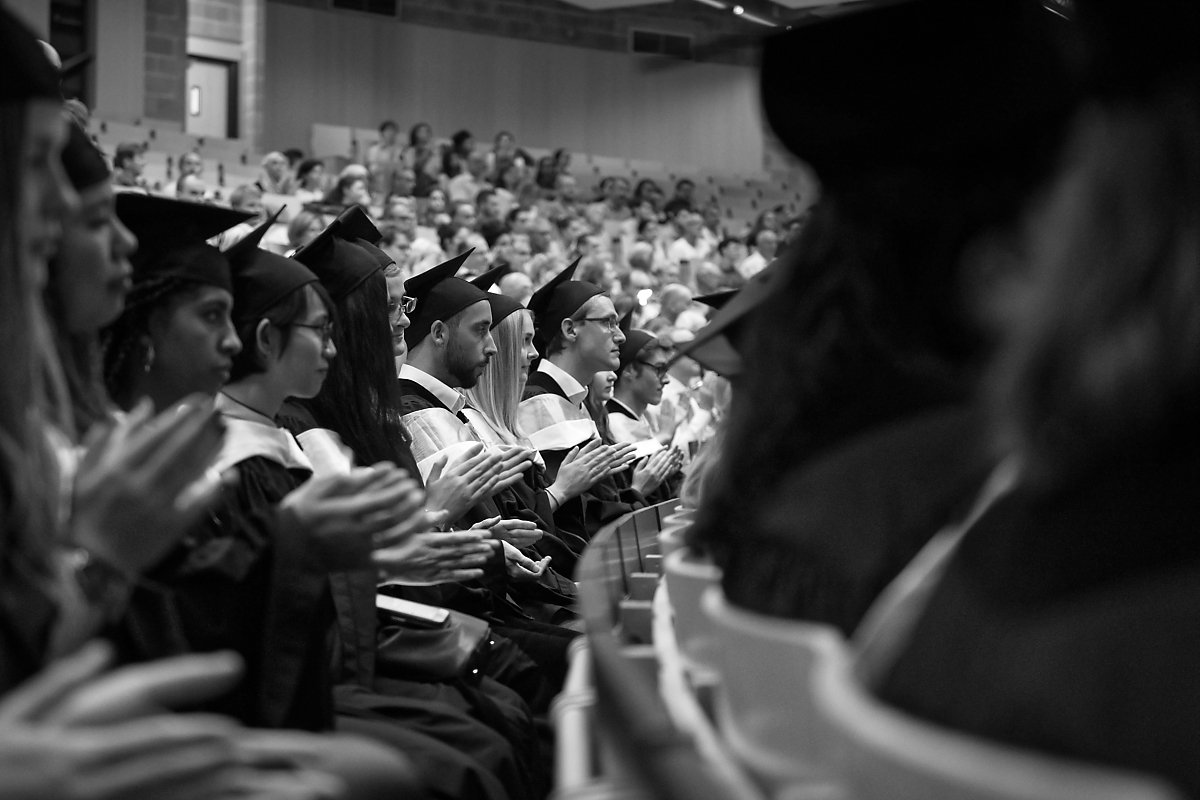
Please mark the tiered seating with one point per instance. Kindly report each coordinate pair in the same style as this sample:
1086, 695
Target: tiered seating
228, 163
741, 196
634, 747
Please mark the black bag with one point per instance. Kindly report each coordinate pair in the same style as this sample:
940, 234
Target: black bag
426, 643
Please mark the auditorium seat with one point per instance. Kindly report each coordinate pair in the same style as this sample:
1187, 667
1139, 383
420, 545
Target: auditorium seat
672, 536
686, 575
630, 746
890, 755
764, 706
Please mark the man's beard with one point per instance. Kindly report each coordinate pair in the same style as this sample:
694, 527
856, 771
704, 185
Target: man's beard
461, 365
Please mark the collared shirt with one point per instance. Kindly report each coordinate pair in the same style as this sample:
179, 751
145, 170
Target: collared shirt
449, 397
573, 389
627, 427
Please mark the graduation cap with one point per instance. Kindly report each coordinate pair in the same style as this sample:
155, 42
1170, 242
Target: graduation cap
261, 278
635, 340
942, 81
379, 255
28, 74
716, 345
558, 300
502, 305
1130, 46
337, 255
439, 295
82, 161
171, 238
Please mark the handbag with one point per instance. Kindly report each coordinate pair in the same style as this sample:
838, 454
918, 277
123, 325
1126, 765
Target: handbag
427, 643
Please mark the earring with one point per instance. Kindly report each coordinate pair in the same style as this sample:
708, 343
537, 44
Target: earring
148, 358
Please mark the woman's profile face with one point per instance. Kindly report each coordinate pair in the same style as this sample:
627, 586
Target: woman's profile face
92, 270
531, 352
194, 342
303, 364
46, 196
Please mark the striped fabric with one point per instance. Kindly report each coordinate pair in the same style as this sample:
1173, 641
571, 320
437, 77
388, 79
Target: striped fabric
436, 432
553, 423
247, 439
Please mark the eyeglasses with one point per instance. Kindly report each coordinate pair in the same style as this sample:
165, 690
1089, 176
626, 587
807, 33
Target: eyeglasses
661, 369
325, 331
405, 305
610, 323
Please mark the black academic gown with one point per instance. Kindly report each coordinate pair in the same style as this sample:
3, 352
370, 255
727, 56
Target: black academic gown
484, 730
1066, 622
840, 526
669, 488
242, 582
607, 500
543, 642
27, 614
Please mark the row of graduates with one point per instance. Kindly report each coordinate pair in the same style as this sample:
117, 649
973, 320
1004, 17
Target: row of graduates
189, 521
283, 567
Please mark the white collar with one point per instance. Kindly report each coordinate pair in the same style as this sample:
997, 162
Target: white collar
615, 399
450, 398
573, 389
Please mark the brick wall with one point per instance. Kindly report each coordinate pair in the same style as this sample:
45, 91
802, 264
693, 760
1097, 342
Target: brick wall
216, 19
166, 58
556, 22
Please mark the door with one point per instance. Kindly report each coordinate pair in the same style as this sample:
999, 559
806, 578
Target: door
211, 98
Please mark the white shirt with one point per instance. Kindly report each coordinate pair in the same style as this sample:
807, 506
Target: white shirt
449, 397
752, 265
573, 389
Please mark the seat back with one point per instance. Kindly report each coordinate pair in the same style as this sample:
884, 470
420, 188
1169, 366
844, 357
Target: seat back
764, 704
891, 754
640, 751
675, 526
687, 575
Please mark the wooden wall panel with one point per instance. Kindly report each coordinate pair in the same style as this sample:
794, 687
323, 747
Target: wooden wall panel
354, 69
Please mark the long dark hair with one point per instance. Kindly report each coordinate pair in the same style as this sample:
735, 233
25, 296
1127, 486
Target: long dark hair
359, 399
869, 326
1102, 360
28, 471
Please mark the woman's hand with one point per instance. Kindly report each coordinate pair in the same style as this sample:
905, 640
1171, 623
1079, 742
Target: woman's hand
520, 567
143, 481
620, 456
435, 557
346, 516
517, 532
71, 732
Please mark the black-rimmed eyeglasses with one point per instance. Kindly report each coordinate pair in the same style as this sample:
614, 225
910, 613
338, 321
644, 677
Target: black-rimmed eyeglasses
610, 323
324, 330
660, 369
405, 305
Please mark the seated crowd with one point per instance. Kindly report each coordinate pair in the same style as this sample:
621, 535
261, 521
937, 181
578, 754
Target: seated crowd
294, 508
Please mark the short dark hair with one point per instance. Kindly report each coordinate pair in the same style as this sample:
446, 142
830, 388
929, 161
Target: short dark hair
126, 152
282, 315
728, 240
388, 123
